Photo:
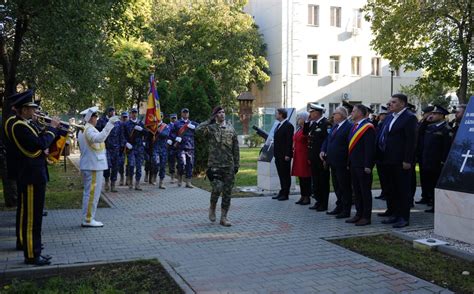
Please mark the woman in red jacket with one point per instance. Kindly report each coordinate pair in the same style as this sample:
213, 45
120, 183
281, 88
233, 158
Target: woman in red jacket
301, 167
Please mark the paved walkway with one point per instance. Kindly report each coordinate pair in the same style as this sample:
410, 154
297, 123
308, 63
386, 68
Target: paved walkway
272, 247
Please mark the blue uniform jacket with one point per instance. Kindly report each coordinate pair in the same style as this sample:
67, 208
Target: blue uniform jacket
133, 136
336, 145
187, 137
436, 144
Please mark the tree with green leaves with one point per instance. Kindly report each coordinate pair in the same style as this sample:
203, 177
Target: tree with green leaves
435, 36
218, 36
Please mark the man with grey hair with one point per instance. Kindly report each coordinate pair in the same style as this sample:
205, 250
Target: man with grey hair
334, 152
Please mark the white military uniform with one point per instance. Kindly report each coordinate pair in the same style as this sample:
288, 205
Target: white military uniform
93, 162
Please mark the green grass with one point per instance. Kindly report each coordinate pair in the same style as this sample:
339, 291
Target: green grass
247, 175
64, 189
441, 269
146, 276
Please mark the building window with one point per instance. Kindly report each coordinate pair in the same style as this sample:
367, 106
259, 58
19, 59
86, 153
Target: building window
376, 66
332, 107
335, 16
313, 15
312, 64
375, 107
357, 18
355, 65
334, 65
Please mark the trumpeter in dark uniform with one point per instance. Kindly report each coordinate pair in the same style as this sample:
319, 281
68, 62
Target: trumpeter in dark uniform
317, 131
32, 174
436, 143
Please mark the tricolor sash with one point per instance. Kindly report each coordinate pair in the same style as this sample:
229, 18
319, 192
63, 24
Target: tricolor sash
183, 129
358, 134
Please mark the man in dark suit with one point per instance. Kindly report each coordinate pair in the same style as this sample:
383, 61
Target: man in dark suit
361, 161
422, 125
283, 152
317, 131
334, 151
381, 117
396, 144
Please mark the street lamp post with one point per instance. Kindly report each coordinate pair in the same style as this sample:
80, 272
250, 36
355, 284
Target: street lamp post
391, 80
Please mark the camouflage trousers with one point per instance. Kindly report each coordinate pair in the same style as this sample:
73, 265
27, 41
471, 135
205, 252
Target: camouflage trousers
222, 184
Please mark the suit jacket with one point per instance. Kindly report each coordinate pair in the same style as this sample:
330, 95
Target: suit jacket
363, 153
336, 145
400, 141
437, 142
317, 133
283, 140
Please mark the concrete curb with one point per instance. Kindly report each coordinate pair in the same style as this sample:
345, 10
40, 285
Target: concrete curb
49, 271
446, 249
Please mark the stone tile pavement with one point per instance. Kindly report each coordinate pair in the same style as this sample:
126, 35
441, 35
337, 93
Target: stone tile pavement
272, 247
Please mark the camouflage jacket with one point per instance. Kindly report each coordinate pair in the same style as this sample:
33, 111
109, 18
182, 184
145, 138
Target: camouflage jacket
223, 144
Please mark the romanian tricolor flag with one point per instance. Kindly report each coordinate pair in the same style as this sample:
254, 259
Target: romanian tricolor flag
153, 111
57, 148
358, 134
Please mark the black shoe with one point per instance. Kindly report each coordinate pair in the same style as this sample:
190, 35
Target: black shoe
322, 208
335, 211
315, 206
386, 213
400, 224
39, 261
305, 202
299, 201
391, 220
363, 222
283, 198
45, 213
276, 197
381, 197
47, 257
353, 220
422, 201
343, 215
431, 210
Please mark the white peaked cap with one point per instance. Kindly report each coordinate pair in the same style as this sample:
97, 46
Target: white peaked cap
313, 106
89, 112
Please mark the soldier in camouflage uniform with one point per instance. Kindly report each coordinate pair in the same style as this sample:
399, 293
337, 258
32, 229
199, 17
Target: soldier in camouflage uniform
223, 161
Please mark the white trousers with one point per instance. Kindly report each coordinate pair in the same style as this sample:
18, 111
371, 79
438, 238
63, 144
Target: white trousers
92, 188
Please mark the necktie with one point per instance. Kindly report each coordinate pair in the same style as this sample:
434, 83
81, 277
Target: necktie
333, 133
354, 128
383, 135
278, 126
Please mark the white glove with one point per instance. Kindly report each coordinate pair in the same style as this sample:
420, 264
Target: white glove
191, 126
114, 119
129, 146
169, 142
144, 144
138, 128
178, 139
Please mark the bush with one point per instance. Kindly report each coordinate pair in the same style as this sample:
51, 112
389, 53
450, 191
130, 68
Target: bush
253, 140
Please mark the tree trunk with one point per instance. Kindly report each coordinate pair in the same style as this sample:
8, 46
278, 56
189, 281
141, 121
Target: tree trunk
9, 66
462, 91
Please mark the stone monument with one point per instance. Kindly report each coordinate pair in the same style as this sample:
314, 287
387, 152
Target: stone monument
454, 194
267, 178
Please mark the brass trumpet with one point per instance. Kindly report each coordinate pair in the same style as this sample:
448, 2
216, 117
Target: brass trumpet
65, 126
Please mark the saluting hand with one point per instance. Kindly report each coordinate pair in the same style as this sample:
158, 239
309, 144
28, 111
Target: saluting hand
406, 165
322, 155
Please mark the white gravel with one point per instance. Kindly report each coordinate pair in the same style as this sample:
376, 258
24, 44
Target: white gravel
454, 243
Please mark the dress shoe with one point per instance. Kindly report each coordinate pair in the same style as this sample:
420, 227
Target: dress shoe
315, 206
321, 208
39, 261
307, 202
299, 201
381, 197
276, 197
353, 220
47, 257
92, 224
343, 215
45, 213
386, 213
363, 222
400, 224
431, 210
422, 201
283, 198
334, 212
391, 220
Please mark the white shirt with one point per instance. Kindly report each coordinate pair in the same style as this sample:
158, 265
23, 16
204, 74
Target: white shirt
340, 124
91, 144
395, 117
280, 123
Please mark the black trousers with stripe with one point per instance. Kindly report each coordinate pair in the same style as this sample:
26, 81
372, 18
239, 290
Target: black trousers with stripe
19, 218
33, 196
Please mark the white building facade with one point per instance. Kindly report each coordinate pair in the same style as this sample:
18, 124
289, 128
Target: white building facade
319, 51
